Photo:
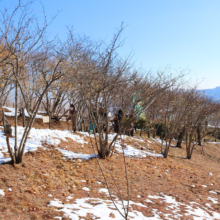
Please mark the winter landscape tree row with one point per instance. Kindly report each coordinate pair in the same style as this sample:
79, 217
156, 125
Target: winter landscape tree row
37, 72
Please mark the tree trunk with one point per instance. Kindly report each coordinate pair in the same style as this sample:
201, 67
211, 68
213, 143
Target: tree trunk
188, 148
180, 138
165, 153
103, 153
57, 101
16, 119
13, 159
3, 117
19, 159
199, 134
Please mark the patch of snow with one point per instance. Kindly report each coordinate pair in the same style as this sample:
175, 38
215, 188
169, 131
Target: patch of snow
207, 204
138, 139
154, 197
158, 140
197, 212
133, 152
50, 195
102, 209
204, 186
42, 112
154, 155
213, 192
56, 203
27, 115
214, 200
2, 192
148, 200
10, 190
86, 188
12, 113
104, 190
210, 174
35, 139
72, 155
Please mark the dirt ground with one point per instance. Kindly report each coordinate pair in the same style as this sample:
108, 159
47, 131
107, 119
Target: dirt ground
44, 172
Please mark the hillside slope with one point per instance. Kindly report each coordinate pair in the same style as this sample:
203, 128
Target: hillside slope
60, 179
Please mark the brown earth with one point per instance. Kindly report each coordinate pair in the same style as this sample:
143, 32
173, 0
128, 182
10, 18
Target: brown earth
45, 172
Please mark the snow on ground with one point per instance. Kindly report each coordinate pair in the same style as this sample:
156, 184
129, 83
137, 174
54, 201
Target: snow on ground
31, 145
54, 137
158, 141
130, 151
104, 190
214, 200
35, 139
138, 139
86, 189
213, 143
72, 155
2, 192
42, 112
197, 211
27, 115
104, 209
12, 112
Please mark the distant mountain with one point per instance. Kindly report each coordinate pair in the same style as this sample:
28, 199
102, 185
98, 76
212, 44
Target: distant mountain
214, 93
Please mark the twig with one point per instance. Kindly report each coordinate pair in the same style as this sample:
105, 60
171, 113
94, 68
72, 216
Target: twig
124, 216
126, 172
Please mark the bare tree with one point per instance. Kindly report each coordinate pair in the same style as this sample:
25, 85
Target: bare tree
27, 47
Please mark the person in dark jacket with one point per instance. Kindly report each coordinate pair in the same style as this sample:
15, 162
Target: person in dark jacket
72, 117
120, 114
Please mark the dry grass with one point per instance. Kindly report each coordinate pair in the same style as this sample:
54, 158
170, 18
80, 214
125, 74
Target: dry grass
44, 172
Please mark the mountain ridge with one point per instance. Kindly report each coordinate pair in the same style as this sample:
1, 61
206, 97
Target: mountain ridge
214, 93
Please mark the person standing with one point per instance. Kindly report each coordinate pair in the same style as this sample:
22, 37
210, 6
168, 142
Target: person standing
72, 117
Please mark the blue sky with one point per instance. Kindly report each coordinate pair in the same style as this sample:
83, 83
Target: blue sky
182, 34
